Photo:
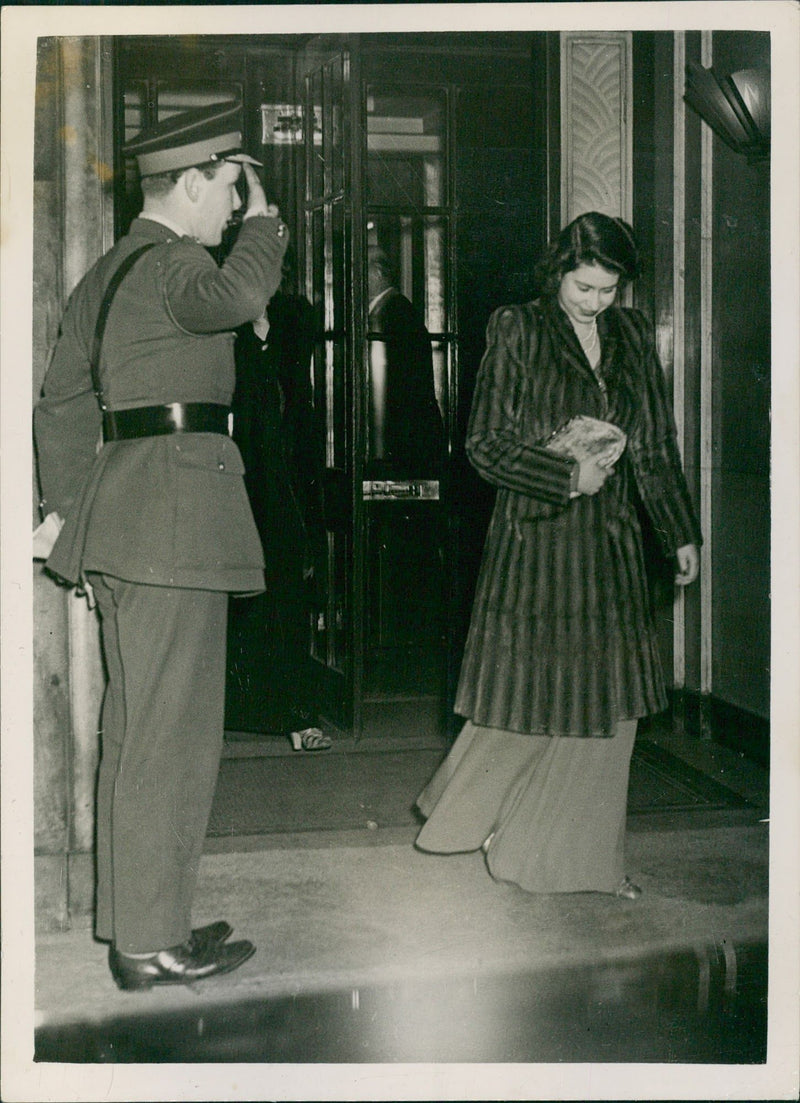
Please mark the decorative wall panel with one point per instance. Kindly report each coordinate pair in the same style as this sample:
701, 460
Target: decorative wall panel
596, 140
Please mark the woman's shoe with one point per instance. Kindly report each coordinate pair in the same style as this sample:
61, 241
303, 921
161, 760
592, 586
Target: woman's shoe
627, 890
311, 739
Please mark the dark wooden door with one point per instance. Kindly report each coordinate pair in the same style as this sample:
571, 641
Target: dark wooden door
331, 248
408, 368
430, 150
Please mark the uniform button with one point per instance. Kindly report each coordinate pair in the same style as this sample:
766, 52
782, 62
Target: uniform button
221, 465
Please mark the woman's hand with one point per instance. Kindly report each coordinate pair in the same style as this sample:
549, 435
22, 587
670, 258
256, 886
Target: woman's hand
688, 564
592, 476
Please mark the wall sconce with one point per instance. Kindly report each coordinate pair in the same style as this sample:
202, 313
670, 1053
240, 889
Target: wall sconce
737, 108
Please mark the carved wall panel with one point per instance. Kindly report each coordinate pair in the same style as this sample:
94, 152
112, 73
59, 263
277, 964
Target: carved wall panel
596, 122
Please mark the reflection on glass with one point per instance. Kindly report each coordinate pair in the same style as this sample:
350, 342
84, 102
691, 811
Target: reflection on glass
328, 287
336, 95
338, 402
440, 374
135, 115
317, 290
433, 250
432, 180
377, 399
405, 436
314, 147
416, 248
174, 99
337, 636
322, 409
338, 246
405, 149
330, 405
135, 105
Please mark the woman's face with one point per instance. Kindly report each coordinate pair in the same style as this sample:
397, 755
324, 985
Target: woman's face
586, 291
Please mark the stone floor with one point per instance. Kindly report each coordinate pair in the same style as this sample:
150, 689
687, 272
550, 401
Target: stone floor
372, 955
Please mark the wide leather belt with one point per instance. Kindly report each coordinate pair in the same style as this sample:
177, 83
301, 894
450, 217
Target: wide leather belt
156, 421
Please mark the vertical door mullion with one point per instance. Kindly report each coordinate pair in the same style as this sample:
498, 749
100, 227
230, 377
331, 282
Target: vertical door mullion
329, 76
355, 161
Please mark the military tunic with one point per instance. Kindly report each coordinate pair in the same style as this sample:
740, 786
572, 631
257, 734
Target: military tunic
167, 510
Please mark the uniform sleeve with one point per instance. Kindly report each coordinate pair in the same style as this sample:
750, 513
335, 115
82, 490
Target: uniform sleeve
203, 297
655, 457
496, 443
67, 419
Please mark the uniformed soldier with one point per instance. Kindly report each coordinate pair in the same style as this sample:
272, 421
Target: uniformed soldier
134, 453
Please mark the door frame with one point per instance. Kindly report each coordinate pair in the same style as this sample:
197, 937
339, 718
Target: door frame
340, 691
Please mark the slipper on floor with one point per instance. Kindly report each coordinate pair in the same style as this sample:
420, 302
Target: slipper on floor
310, 739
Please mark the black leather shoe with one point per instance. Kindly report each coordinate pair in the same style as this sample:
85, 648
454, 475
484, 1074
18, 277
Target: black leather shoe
182, 964
212, 935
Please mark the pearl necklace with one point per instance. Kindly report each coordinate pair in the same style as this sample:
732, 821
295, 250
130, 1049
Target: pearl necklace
592, 339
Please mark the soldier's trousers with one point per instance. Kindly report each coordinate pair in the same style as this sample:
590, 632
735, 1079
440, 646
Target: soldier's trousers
162, 732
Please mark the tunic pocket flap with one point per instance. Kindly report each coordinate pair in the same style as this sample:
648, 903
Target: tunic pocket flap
210, 452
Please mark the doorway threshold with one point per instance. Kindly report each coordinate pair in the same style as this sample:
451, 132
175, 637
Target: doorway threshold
255, 745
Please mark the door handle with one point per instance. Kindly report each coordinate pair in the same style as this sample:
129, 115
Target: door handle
405, 489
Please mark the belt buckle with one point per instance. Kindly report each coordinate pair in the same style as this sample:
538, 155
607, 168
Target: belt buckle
176, 416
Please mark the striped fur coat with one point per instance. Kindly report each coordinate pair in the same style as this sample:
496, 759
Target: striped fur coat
561, 639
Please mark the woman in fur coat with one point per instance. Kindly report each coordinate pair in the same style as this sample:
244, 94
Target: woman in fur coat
561, 658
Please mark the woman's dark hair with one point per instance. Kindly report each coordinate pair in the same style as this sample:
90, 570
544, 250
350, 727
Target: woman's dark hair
591, 238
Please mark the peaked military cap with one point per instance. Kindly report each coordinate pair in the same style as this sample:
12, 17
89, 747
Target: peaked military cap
191, 138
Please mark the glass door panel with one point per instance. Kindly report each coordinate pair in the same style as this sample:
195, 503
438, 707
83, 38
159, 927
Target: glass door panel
408, 362
407, 342
378, 209
314, 133
340, 272
416, 248
339, 137
324, 74
315, 265
406, 148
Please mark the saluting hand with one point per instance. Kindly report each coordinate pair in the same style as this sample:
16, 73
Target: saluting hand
256, 199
